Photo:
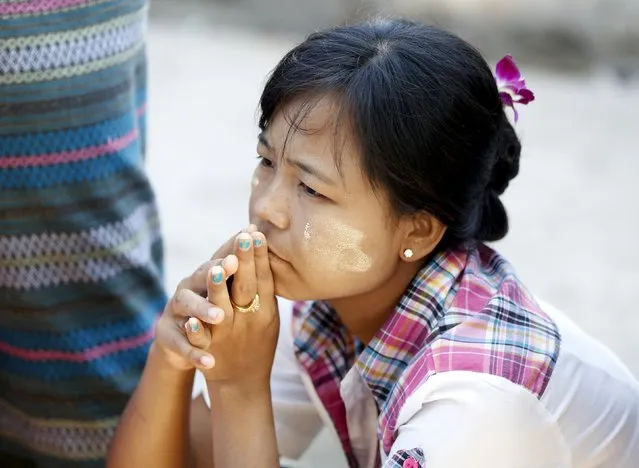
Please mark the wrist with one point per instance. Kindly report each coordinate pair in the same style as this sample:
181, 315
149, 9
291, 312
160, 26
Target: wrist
243, 422
246, 392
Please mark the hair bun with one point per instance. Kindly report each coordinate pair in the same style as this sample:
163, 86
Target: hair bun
493, 221
508, 151
493, 225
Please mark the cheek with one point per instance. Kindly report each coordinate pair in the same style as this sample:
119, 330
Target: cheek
256, 187
251, 207
333, 246
255, 180
332, 259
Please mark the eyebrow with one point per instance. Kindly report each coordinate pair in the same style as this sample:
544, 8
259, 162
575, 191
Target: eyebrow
312, 171
263, 141
302, 166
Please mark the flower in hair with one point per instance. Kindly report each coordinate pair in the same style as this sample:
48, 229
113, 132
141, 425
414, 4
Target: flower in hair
511, 85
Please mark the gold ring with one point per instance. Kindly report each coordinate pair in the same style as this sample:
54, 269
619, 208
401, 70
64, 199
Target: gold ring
252, 308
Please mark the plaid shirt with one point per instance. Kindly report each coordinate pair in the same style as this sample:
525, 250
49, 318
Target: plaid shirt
465, 310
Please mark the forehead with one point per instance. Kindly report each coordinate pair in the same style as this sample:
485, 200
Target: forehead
318, 129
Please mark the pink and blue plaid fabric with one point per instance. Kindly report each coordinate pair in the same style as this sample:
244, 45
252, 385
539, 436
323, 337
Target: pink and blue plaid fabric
465, 310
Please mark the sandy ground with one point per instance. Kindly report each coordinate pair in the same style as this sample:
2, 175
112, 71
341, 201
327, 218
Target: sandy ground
573, 208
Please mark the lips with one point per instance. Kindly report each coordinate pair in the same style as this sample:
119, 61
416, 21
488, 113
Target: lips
273, 251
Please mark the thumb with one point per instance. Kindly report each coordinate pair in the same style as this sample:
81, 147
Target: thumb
225, 249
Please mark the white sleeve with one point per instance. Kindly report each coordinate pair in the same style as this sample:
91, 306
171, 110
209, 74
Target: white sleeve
461, 419
297, 421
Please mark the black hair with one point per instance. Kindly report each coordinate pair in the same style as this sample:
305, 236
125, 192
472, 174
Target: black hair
425, 111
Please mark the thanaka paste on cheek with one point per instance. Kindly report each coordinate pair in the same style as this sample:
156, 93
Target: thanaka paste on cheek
336, 246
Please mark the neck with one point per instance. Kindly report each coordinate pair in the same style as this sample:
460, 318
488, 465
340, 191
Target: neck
365, 314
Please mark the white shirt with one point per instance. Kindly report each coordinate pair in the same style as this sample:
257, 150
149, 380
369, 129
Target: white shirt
587, 417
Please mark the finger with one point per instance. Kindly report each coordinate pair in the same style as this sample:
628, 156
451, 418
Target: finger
218, 294
228, 247
179, 344
265, 287
197, 280
197, 334
244, 286
186, 303
230, 265
225, 249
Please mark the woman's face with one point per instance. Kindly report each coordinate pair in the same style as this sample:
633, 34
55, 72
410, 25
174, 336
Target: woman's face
330, 236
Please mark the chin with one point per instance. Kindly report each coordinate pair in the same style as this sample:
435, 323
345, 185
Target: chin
281, 290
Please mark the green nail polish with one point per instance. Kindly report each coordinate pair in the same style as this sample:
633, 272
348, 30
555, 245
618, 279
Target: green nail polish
217, 277
194, 326
245, 244
258, 242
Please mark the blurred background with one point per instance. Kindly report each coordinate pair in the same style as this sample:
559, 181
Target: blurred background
573, 209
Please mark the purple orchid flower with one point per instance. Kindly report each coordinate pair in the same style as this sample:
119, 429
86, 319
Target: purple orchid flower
511, 85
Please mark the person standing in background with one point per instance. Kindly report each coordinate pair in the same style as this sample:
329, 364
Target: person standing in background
81, 280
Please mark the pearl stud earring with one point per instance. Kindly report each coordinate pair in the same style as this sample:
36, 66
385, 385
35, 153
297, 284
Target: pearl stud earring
408, 253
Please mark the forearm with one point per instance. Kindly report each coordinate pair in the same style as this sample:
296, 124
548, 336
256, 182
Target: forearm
154, 428
243, 427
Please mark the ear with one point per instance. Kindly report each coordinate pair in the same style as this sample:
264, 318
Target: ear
422, 233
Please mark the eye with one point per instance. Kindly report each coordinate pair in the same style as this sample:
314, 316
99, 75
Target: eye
310, 192
265, 161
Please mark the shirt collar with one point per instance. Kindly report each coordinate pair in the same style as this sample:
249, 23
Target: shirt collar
321, 333
409, 328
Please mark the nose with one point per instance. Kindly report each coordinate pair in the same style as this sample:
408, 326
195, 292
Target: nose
272, 206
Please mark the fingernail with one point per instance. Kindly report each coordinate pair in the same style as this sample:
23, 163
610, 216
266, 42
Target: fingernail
244, 242
257, 242
215, 314
207, 361
194, 325
217, 274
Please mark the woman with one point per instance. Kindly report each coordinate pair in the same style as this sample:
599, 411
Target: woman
383, 150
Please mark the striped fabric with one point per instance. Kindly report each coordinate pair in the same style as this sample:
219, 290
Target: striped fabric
80, 245
465, 310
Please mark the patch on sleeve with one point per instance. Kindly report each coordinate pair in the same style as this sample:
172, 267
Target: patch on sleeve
413, 458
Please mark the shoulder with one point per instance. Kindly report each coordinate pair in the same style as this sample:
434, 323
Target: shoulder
496, 423
494, 325
503, 337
